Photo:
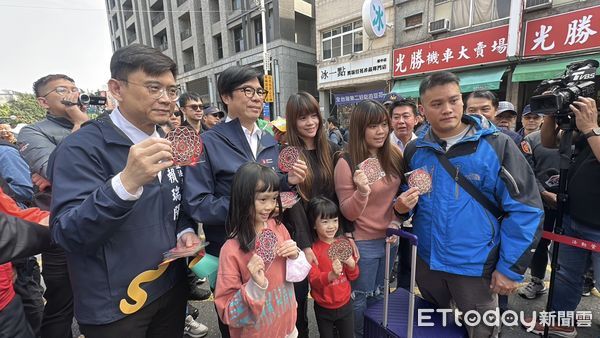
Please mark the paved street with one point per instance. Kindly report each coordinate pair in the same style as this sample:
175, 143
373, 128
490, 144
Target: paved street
208, 316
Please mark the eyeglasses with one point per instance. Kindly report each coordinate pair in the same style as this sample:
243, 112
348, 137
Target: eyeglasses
196, 107
249, 91
156, 91
62, 91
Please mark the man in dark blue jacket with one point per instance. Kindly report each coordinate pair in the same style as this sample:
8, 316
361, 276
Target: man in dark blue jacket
116, 206
227, 147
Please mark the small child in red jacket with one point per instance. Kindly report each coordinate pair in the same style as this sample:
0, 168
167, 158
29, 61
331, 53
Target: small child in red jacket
330, 280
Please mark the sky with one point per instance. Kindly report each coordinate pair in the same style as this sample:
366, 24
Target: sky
54, 36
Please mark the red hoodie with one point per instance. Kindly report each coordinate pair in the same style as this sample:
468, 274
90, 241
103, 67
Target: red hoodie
10, 207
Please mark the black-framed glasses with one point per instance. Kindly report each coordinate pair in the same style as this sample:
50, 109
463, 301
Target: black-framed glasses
62, 91
157, 91
249, 92
196, 107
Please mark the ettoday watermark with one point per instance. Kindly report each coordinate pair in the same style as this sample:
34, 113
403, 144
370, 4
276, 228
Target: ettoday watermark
506, 318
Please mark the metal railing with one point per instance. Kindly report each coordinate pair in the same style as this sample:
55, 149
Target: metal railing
180, 2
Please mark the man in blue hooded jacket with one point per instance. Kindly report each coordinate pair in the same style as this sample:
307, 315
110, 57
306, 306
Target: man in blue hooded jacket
465, 254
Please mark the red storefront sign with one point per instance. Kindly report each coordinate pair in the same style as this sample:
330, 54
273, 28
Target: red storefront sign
574, 31
469, 49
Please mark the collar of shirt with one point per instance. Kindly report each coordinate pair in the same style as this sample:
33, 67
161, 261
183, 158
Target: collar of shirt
395, 140
256, 132
133, 132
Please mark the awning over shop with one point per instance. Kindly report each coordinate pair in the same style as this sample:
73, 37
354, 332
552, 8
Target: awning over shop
484, 78
547, 69
407, 88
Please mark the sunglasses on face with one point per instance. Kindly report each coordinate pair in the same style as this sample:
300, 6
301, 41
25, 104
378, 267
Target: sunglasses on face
196, 107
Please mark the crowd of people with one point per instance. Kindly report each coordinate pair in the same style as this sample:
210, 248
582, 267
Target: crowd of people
102, 200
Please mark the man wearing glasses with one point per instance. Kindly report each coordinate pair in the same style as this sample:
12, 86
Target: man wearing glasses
193, 109
57, 94
228, 146
116, 206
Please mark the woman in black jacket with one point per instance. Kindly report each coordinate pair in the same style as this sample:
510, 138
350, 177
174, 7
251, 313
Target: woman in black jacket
305, 129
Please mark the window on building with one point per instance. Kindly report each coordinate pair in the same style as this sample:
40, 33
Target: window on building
236, 4
238, 39
270, 32
413, 20
342, 40
466, 13
213, 7
258, 40
219, 45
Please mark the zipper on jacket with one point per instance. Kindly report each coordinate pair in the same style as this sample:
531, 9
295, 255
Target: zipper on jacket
491, 242
456, 183
511, 179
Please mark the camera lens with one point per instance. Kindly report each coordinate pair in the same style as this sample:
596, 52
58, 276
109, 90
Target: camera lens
84, 98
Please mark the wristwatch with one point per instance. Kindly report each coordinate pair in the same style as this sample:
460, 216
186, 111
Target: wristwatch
593, 132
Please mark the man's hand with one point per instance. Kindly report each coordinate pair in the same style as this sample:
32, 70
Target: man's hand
46, 221
187, 240
407, 200
40, 181
549, 198
298, 173
586, 114
145, 160
502, 285
74, 112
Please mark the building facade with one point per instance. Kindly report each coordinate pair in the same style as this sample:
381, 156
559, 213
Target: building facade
507, 46
353, 53
205, 37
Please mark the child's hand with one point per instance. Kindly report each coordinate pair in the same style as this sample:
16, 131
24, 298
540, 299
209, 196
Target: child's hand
256, 266
288, 249
337, 267
310, 256
350, 263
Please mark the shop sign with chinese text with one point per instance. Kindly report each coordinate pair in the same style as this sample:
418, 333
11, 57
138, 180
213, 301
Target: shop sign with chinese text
356, 68
353, 98
482, 47
574, 31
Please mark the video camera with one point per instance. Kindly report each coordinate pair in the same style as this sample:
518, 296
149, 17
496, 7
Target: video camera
91, 100
554, 96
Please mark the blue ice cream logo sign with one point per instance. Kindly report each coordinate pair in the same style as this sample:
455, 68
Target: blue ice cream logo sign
378, 21
374, 21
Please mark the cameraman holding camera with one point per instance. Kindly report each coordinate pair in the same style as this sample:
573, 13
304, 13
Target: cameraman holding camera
581, 218
57, 94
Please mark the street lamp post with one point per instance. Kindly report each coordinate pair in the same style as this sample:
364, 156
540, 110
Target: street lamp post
266, 54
